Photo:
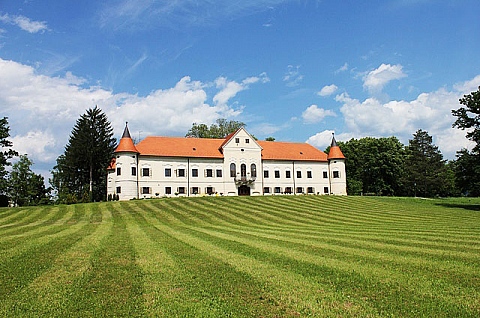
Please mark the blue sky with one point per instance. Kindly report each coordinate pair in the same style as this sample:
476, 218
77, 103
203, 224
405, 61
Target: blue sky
296, 70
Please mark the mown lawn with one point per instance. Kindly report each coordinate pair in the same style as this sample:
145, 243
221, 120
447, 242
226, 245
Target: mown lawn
283, 256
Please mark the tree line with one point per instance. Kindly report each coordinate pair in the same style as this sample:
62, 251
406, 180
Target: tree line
384, 166
374, 166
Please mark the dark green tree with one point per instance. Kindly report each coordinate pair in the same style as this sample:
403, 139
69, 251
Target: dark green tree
80, 173
467, 173
468, 117
6, 154
221, 129
426, 172
374, 165
467, 167
26, 187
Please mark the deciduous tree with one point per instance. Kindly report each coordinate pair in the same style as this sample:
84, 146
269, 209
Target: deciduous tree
221, 129
26, 187
6, 154
374, 165
467, 167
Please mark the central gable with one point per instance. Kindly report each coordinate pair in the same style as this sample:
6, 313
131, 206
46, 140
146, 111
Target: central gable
240, 139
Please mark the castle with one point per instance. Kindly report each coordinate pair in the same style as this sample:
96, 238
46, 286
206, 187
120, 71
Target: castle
236, 165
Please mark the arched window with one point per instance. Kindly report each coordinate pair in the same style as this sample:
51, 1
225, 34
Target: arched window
243, 170
233, 170
253, 170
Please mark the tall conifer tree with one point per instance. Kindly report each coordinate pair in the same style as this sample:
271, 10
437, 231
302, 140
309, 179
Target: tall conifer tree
426, 170
80, 173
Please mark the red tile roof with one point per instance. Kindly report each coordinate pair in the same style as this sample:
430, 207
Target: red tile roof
335, 153
274, 150
181, 147
210, 148
126, 145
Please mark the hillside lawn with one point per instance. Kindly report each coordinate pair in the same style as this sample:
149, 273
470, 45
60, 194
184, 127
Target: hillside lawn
276, 256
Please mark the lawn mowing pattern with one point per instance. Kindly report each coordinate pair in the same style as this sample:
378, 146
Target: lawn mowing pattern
281, 256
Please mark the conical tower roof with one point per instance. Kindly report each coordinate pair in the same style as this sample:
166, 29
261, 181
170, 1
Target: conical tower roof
126, 143
335, 152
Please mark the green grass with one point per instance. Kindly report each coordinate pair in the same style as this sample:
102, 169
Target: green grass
283, 256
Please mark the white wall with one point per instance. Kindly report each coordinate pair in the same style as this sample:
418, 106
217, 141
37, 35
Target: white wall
317, 181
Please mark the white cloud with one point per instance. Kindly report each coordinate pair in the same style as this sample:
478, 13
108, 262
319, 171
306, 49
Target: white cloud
37, 144
343, 68
229, 89
313, 114
322, 139
293, 77
429, 111
376, 80
42, 110
328, 90
188, 13
24, 23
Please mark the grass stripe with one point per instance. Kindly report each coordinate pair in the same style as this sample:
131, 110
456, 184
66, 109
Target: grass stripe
20, 270
112, 286
210, 287
48, 295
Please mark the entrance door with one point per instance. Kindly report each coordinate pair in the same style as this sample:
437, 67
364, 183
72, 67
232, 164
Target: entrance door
244, 190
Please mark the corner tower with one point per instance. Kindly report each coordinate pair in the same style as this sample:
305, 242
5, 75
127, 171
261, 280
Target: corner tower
125, 174
336, 166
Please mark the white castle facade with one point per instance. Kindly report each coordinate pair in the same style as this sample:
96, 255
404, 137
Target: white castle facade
236, 165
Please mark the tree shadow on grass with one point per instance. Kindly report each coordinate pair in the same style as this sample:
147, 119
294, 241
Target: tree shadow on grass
471, 207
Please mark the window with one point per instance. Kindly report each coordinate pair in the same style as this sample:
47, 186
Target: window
209, 173
146, 172
325, 190
309, 174
310, 190
194, 190
119, 171
288, 190
168, 190
336, 174
209, 190
194, 172
325, 175
233, 170
266, 190
277, 174
168, 172
287, 174
237, 140
119, 190
253, 170
299, 174
247, 140
265, 173
181, 173
299, 190
145, 190
134, 171
243, 170
181, 190
219, 173
278, 190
